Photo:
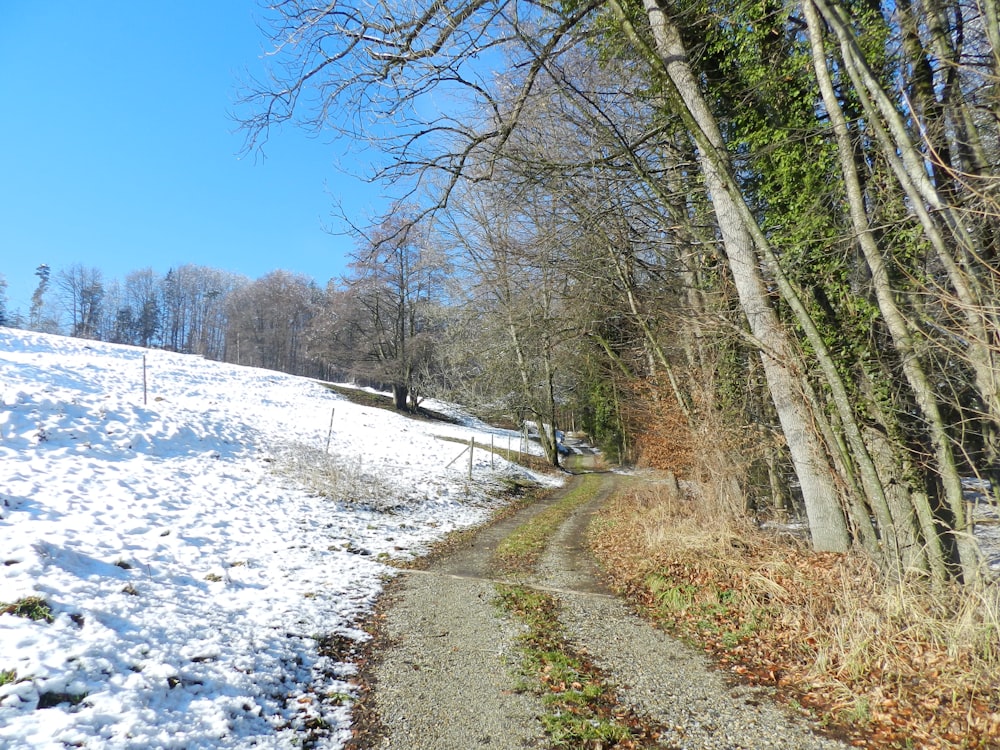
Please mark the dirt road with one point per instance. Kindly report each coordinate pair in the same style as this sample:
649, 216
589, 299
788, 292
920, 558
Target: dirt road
446, 672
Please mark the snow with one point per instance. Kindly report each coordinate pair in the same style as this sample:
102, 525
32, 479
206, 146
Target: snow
985, 517
197, 544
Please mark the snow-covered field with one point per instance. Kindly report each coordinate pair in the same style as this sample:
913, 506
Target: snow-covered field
189, 573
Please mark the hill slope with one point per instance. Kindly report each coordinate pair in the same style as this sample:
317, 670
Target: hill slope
186, 556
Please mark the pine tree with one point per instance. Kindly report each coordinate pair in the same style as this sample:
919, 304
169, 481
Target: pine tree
43, 272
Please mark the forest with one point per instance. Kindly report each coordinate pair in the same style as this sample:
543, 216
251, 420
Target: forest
750, 240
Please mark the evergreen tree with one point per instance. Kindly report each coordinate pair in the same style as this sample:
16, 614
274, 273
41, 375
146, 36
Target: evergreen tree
43, 272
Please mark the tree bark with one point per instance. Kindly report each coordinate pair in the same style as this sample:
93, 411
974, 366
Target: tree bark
782, 366
907, 163
897, 526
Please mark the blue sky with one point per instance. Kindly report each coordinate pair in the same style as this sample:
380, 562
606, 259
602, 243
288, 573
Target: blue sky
118, 151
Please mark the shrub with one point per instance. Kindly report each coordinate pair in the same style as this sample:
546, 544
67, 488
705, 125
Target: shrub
335, 477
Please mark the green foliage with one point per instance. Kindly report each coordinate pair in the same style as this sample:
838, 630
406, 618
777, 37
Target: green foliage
670, 597
710, 609
535, 607
602, 419
736, 383
32, 607
758, 71
569, 729
7, 676
607, 40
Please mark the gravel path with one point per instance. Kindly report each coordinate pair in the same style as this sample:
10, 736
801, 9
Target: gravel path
445, 675
447, 679
656, 675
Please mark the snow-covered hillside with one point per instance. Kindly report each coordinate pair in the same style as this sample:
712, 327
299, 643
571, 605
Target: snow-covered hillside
189, 572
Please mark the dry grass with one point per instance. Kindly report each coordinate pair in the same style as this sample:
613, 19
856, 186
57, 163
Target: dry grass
889, 665
334, 477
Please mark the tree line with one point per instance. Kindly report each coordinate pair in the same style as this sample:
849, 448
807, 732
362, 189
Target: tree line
772, 224
281, 321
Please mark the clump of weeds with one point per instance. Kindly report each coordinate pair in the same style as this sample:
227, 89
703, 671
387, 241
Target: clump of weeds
31, 607
334, 477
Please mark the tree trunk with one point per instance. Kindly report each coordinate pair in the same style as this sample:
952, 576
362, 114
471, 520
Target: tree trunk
401, 396
908, 165
549, 437
896, 523
781, 364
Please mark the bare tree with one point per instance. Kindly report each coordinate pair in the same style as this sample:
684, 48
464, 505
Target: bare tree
877, 421
268, 320
380, 323
36, 319
517, 297
3, 302
81, 295
141, 311
192, 309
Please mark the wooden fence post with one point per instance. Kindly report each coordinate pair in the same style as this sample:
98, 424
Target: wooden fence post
329, 432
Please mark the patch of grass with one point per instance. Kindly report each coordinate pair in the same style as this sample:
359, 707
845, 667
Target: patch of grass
31, 607
859, 714
339, 698
571, 730
671, 598
582, 711
7, 676
362, 398
520, 551
709, 609
50, 700
382, 401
